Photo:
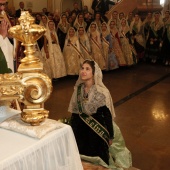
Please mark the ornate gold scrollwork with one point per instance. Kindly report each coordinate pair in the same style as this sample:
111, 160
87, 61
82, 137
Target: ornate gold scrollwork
29, 85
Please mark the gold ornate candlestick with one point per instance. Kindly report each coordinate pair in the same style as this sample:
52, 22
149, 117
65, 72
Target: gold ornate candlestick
28, 33
29, 85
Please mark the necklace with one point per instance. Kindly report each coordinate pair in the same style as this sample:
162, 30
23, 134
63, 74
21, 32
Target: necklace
85, 95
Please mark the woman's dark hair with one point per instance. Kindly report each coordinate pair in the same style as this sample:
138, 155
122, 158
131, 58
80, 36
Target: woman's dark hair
91, 63
63, 14
80, 27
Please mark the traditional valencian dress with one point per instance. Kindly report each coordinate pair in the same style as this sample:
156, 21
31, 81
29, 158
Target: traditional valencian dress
111, 61
62, 29
154, 39
146, 24
96, 47
72, 53
127, 48
54, 65
84, 44
138, 36
91, 136
115, 35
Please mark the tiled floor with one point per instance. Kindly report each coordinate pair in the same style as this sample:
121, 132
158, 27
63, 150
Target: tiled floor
141, 96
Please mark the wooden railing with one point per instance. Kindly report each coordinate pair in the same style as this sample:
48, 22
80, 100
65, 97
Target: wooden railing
140, 6
125, 6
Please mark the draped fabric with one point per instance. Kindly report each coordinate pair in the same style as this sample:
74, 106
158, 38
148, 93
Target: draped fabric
8, 51
57, 150
3, 64
118, 150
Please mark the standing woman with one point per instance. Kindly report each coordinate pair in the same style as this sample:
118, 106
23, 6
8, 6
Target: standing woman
84, 43
146, 27
138, 36
79, 22
92, 121
165, 52
54, 61
62, 29
117, 47
115, 18
125, 39
146, 24
44, 20
98, 20
129, 18
155, 38
111, 61
72, 53
96, 46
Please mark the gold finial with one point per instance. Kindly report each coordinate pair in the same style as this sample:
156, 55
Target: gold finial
29, 85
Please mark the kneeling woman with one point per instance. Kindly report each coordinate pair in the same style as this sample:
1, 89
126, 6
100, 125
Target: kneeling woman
92, 116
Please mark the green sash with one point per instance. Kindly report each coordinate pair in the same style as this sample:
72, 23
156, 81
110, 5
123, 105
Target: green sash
91, 122
3, 64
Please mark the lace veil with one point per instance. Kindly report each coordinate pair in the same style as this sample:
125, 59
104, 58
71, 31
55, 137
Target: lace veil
100, 88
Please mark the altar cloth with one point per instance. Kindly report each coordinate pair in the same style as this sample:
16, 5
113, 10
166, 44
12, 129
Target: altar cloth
55, 151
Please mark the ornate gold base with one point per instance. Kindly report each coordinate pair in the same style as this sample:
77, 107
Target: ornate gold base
34, 67
34, 116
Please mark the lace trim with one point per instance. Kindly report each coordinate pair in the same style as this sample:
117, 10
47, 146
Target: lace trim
92, 103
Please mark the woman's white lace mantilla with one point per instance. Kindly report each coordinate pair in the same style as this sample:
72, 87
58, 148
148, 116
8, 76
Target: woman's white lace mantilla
90, 104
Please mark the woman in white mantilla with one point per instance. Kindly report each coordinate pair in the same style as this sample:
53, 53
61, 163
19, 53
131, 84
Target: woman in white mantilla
72, 52
79, 22
54, 60
154, 41
127, 47
111, 61
137, 33
62, 29
117, 46
91, 106
84, 43
96, 45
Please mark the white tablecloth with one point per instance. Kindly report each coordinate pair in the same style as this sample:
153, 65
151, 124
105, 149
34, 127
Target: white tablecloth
56, 151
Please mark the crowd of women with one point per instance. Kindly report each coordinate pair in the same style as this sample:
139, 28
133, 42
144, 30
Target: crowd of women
112, 43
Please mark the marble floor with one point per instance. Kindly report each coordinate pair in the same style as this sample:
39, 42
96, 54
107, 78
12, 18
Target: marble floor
141, 96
